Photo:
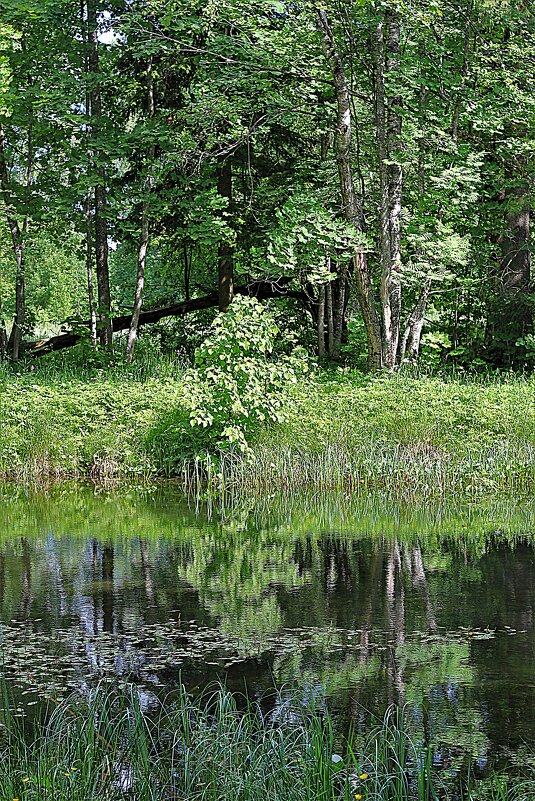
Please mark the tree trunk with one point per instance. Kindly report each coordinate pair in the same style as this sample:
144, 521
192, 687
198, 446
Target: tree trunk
187, 270
384, 219
320, 323
339, 310
225, 251
88, 201
89, 269
18, 242
330, 318
259, 289
513, 317
101, 225
145, 225
3, 335
342, 146
388, 122
413, 330
395, 178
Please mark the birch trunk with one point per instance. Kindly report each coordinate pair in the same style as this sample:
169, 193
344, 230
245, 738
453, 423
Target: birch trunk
413, 331
88, 201
395, 179
89, 269
342, 148
388, 123
145, 229
338, 315
18, 242
101, 226
330, 317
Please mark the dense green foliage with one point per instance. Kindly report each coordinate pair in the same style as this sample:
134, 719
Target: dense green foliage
108, 745
240, 381
209, 133
344, 430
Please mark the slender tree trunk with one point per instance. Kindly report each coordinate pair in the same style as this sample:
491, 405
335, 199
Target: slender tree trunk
388, 121
395, 177
89, 269
18, 241
330, 318
88, 201
384, 217
3, 334
187, 270
101, 225
513, 318
320, 324
342, 146
145, 226
225, 251
339, 312
413, 330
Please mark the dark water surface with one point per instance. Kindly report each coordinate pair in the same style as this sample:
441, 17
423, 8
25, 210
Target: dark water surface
357, 603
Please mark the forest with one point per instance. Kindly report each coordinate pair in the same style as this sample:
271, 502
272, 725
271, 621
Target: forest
364, 166
267, 400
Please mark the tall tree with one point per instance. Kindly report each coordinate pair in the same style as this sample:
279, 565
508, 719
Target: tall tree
145, 223
99, 217
350, 209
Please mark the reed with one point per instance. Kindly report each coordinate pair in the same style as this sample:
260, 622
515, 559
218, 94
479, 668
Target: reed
344, 431
123, 744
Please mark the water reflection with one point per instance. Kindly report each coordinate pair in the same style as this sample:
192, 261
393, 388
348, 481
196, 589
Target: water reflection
364, 603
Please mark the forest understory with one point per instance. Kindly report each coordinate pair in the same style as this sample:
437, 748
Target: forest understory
341, 429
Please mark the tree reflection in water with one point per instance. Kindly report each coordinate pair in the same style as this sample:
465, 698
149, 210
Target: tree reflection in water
363, 603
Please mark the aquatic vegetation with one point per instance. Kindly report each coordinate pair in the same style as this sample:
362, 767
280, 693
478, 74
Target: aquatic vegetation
110, 744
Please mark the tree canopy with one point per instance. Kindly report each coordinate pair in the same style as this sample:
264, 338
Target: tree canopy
365, 163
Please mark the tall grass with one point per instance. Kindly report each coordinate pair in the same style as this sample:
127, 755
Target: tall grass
108, 746
345, 431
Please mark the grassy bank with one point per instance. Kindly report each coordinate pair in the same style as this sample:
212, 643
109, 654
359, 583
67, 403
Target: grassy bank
343, 431
107, 746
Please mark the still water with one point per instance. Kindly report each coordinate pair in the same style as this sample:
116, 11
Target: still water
357, 603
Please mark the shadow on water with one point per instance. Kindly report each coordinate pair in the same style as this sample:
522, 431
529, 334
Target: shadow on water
357, 602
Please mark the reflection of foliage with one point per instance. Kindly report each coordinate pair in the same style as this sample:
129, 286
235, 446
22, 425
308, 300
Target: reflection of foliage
342, 599
233, 576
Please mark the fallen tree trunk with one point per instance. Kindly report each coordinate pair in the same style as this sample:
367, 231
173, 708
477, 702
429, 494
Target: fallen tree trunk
259, 289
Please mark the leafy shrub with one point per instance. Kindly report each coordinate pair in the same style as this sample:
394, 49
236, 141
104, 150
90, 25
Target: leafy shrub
241, 378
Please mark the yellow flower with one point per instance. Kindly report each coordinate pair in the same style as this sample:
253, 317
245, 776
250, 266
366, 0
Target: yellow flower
74, 768
26, 779
15, 799
357, 796
66, 774
363, 776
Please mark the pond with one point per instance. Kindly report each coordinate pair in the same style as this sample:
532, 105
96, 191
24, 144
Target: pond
354, 602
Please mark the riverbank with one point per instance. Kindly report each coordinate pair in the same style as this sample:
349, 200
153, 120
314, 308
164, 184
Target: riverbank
123, 743
343, 430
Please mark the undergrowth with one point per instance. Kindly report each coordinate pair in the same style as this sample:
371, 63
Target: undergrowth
341, 430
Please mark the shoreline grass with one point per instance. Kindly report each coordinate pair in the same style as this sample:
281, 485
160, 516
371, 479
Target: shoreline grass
118, 744
344, 431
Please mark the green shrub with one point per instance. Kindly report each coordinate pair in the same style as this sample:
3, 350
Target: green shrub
241, 378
